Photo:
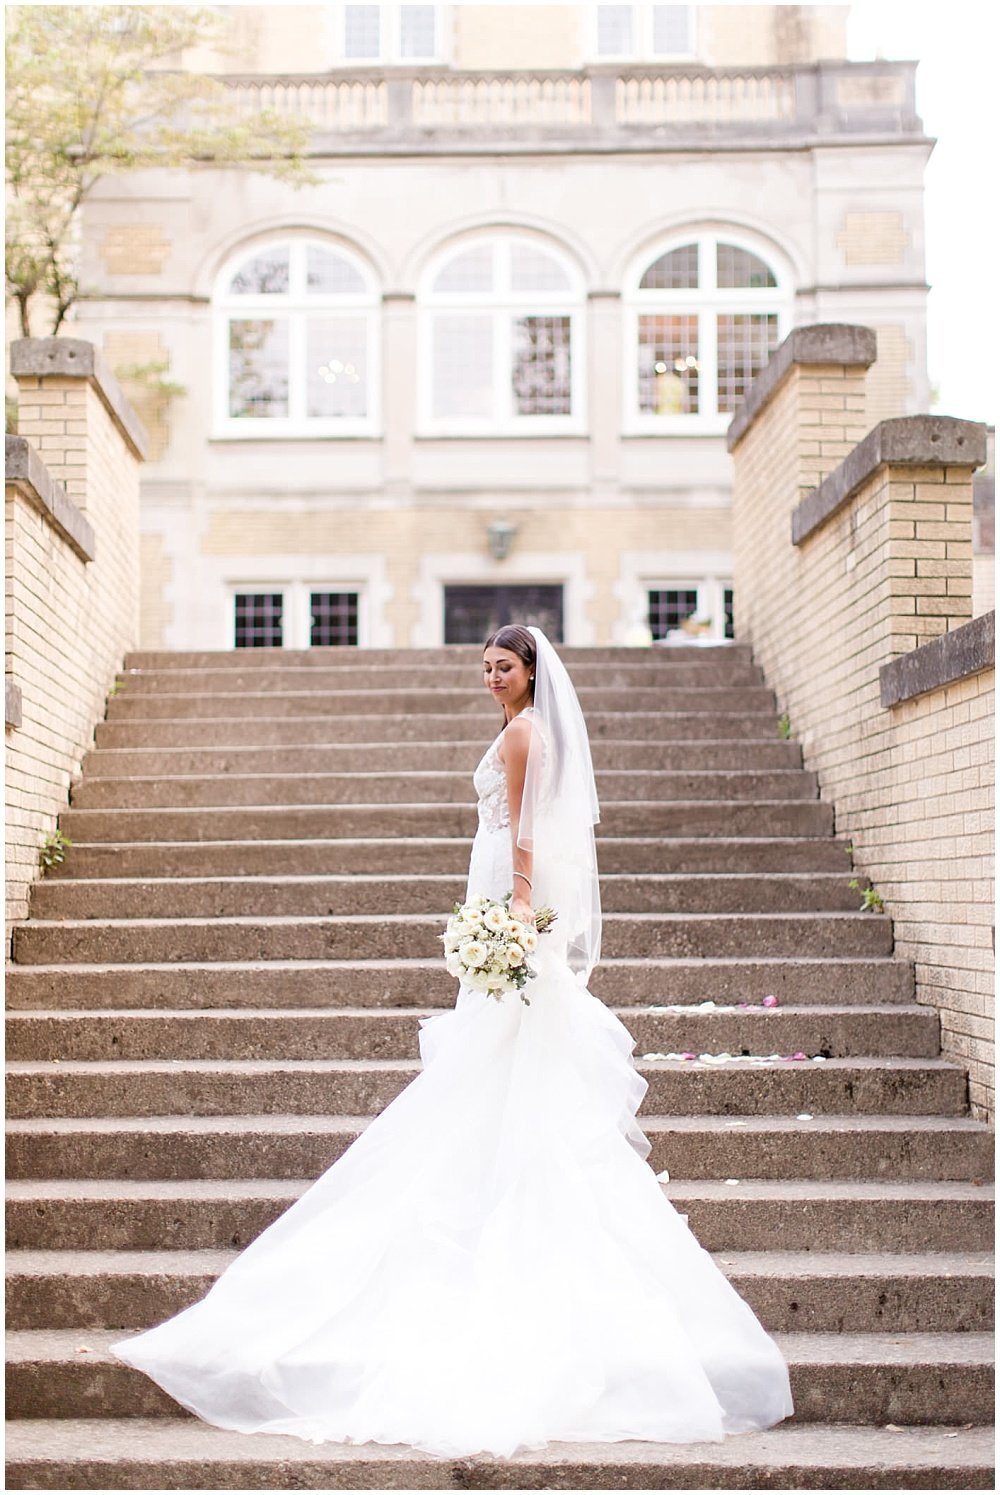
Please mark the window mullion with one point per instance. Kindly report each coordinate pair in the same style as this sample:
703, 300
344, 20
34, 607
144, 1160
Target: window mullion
708, 357
297, 382
503, 367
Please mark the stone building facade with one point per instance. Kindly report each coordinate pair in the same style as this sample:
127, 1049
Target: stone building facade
483, 366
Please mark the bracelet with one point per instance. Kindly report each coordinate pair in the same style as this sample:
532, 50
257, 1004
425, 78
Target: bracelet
526, 878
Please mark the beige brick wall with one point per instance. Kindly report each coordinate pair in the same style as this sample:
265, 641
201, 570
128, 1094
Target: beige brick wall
873, 239
404, 536
156, 571
888, 387
68, 623
134, 249
912, 785
134, 351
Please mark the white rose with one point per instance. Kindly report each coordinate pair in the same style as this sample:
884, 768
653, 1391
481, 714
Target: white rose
495, 919
515, 927
453, 965
473, 953
529, 940
515, 955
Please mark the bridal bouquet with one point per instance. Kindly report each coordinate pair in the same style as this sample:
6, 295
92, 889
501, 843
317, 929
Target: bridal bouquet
488, 950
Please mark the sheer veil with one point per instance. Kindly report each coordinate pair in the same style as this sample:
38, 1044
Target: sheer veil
559, 810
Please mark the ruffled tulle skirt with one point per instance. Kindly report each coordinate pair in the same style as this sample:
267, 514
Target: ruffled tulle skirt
491, 1266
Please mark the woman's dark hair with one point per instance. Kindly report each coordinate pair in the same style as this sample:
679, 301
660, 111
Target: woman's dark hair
518, 640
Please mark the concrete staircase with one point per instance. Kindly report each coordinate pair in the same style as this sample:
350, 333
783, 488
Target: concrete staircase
207, 1006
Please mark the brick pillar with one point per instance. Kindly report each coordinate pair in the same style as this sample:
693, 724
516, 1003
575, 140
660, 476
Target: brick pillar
72, 509
804, 414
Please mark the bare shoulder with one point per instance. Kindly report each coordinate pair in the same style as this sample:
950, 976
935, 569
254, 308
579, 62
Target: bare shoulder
515, 742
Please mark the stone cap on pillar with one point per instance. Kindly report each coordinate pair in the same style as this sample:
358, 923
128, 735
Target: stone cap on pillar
839, 344
73, 358
907, 441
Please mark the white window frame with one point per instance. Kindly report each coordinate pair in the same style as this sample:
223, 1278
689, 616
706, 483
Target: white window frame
439, 569
707, 572
642, 38
390, 40
296, 619
502, 306
706, 301
294, 304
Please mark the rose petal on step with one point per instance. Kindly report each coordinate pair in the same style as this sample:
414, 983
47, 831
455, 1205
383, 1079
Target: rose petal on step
769, 1001
804, 1116
819, 1058
892, 1427
732, 1181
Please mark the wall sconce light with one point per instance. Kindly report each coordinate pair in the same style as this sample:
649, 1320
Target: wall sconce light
500, 537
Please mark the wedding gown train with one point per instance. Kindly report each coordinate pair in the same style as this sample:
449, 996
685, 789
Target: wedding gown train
492, 1264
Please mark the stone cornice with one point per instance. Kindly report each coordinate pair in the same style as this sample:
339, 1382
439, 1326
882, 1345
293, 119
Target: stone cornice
909, 441
27, 472
954, 656
839, 344
72, 358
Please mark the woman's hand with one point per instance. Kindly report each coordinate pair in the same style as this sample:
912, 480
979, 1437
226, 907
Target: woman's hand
521, 909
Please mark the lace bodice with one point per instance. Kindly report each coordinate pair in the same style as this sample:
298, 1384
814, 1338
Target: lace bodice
490, 783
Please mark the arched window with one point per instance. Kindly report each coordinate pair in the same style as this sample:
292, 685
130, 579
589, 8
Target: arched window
705, 313
502, 340
297, 342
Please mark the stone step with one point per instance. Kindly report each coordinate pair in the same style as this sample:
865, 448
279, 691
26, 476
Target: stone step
412, 788
748, 1214
864, 1378
363, 1087
406, 893
166, 1453
279, 678
235, 704
380, 937
810, 1291
425, 855
323, 657
437, 655
680, 819
364, 1033
692, 1147
412, 757
655, 725
840, 981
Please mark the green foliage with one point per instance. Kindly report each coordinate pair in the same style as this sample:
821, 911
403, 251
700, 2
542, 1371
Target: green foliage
101, 90
53, 850
871, 902
784, 726
116, 689
151, 378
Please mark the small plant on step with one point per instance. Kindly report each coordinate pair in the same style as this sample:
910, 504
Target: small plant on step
53, 850
871, 901
784, 726
118, 686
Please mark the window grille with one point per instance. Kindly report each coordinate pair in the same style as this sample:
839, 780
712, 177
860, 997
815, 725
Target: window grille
258, 620
668, 607
472, 613
541, 373
390, 33
668, 365
362, 33
728, 630
705, 316
297, 342
745, 344
643, 30
500, 327
333, 619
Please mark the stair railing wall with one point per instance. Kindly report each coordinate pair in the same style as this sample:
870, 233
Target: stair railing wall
853, 585
72, 581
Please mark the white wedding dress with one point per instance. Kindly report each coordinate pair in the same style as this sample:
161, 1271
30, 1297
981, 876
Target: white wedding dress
492, 1265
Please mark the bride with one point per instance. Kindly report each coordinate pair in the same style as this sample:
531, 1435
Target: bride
492, 1264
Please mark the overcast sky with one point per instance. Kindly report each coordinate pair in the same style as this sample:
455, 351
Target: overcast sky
958, 95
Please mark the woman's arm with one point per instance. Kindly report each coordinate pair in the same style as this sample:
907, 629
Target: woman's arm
514, 755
